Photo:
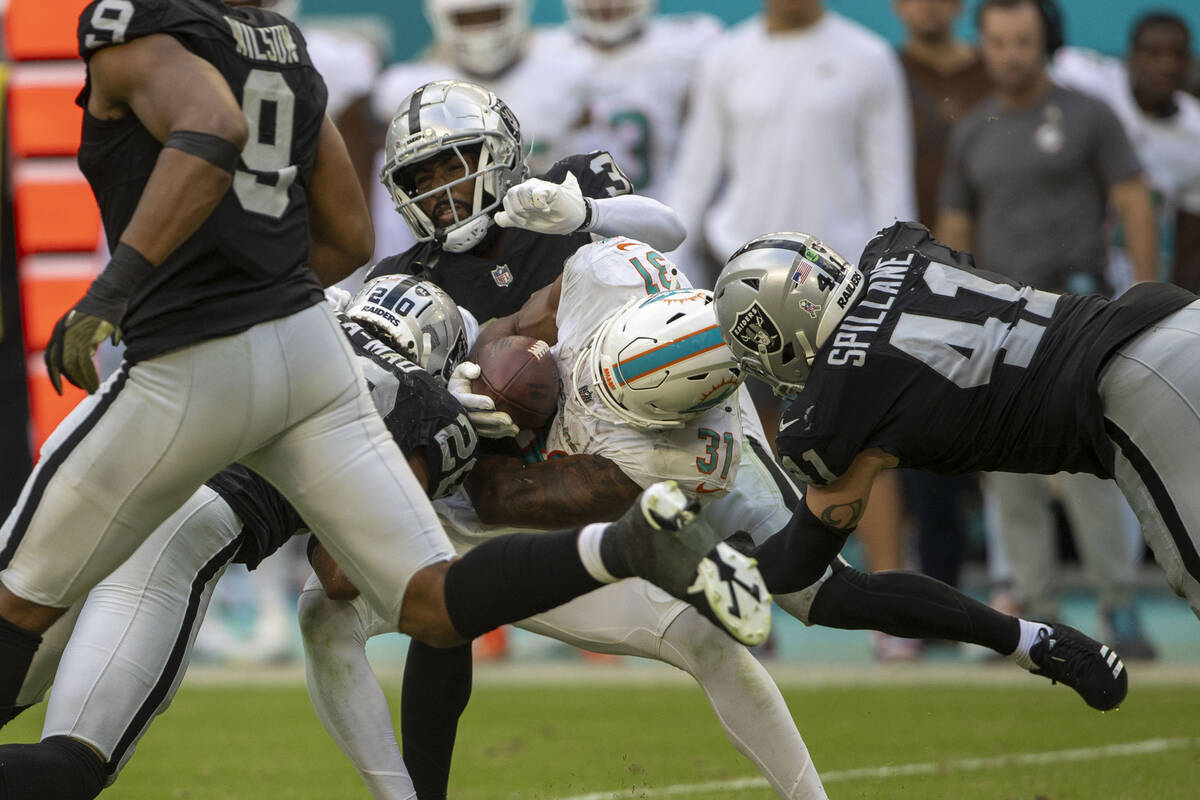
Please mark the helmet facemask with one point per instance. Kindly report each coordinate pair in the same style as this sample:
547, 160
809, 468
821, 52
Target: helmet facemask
483, 37
608, 22
487, 146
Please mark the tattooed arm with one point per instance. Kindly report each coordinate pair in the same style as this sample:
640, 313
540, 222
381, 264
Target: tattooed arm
560, 493
841, 504
799, 554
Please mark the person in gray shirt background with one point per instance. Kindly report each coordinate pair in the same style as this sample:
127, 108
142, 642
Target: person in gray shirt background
1030, 175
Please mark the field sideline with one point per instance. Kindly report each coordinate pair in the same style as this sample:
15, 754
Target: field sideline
606, 734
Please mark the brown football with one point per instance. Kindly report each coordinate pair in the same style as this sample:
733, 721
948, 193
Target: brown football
519, 373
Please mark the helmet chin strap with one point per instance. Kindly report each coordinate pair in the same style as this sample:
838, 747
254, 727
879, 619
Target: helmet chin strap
466, 236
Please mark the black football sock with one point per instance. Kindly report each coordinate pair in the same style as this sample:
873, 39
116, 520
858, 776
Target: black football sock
58, 767
437, 686
911, 605
17, 647
513, 577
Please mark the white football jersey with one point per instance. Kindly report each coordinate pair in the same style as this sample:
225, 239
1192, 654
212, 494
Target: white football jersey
348, 63
1169, 149
543, 89
703, 455
636, 96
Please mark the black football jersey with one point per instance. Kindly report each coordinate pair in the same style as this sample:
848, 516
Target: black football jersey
419, 414
526, 262
953, 369
248, 262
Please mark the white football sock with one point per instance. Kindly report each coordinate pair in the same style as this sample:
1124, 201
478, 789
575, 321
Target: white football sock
345, 692
588, 544
1029, 636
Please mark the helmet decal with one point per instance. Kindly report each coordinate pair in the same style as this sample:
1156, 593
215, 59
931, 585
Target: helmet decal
756, 330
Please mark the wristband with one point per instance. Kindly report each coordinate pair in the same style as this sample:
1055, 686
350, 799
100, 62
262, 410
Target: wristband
589, 215
221, 153
109, 293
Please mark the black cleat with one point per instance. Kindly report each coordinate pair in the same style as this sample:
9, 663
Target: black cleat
723, 584
1094, 670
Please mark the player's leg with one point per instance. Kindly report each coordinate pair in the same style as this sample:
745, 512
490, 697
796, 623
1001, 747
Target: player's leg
121, 463
912, 605
347, 479
1151, 394
127, 654
635, 618
344, 691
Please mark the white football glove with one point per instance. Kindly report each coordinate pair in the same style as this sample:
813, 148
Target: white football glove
337, 299
481, 409
544, 207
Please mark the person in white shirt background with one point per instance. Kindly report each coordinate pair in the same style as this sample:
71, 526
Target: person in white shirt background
1147, 93
799, 120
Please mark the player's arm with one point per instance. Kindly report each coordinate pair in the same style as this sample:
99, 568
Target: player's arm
185, 103
561, 208
1185, 271
560, 493
798, 555
335, 583
1131, 198
339, 222
538, 318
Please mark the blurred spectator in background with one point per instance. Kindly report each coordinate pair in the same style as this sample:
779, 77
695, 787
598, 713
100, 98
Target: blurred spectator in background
946, 78
1028, 180
639, 75
803, 114
492, 43
1147, 93
800, 118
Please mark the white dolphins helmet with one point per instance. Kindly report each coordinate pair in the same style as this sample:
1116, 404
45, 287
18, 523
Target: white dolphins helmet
660, 360
482, 37
778, 299
453, 117
608, 22
415, 318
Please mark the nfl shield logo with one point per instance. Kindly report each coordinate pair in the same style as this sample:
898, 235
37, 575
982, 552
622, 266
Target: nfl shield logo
502, 275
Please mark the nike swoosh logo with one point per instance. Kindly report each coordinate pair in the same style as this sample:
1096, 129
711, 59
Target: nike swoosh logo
702, 489
783, 426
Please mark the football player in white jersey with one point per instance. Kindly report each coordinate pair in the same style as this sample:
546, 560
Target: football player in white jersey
492, 43
1163, 122
640, 71
646, 394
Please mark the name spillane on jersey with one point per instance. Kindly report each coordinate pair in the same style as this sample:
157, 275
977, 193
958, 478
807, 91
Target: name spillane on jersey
527, 261
417, 411
953, 369
248, 262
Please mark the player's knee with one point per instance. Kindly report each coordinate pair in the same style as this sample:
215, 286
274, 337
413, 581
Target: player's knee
58, 767
424, 615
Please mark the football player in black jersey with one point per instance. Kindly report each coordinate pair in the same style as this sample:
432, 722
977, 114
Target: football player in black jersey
917, 359
487, 233
225, 192
237, 517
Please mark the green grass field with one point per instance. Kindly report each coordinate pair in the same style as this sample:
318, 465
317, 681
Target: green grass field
568, 741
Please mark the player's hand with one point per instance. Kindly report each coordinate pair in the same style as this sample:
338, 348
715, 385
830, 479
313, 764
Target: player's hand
481, 409
337, 299
544, 207
73, 345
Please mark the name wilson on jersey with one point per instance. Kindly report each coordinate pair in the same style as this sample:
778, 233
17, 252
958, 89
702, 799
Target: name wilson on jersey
273, 43
856, 331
